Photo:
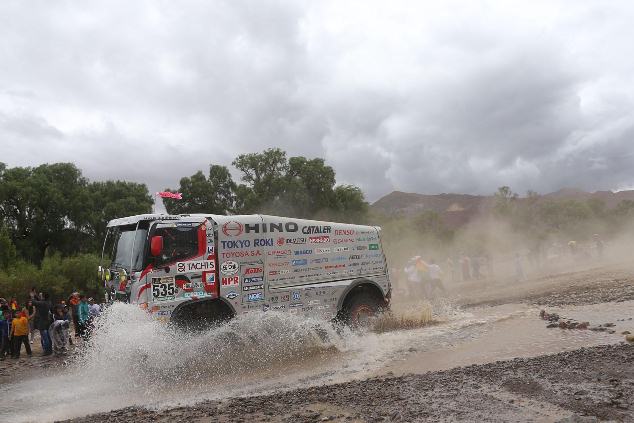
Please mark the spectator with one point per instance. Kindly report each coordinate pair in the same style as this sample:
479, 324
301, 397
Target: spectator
59, 330
30, 315
83, 315
43, 319
5, 327
435, 276
20, 334
14, 305
73, 301
519, 269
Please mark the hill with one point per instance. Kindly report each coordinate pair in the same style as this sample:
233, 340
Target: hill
458, 209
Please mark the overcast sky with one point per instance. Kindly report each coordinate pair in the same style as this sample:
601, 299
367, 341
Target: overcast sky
415, 96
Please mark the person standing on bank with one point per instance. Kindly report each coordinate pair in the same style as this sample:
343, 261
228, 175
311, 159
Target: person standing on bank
43, 319
20, 334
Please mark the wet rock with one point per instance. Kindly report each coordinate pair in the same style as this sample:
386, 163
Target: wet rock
625, 332
552, 325
608, 325
629, 338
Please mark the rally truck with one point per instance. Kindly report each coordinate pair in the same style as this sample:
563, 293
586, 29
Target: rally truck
196, 270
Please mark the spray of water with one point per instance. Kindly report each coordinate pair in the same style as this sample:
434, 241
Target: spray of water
133, 360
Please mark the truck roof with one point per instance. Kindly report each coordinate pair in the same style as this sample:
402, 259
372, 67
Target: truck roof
130, 220
139, 217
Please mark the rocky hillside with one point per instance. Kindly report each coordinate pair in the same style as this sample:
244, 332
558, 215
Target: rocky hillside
457, 209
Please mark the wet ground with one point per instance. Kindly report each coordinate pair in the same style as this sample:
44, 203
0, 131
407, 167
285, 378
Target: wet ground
278, 368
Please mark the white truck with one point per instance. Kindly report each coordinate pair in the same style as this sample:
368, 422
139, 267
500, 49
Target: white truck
201, 269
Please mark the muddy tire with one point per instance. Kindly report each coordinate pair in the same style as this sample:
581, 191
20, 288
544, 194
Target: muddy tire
360, 310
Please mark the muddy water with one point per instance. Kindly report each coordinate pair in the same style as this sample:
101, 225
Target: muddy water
135, 361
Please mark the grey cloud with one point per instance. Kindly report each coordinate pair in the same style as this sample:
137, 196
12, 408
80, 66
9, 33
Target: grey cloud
415, 97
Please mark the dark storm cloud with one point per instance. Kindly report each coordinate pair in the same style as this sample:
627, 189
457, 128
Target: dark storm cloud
458, 96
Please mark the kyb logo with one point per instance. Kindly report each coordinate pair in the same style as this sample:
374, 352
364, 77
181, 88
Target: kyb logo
232, 228
229, 267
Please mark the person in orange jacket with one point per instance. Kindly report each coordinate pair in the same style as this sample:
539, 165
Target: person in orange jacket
20, 334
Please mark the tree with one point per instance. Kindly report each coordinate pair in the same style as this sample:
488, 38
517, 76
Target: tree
504, 201
111, 200
7, 249
43, 206
264, 175
216, 195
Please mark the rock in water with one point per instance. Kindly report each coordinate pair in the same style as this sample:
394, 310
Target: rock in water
629, 338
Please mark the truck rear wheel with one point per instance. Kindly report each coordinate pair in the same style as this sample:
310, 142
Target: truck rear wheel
360, 310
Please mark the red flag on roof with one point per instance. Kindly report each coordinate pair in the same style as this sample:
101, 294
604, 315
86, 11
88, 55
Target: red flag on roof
173, 195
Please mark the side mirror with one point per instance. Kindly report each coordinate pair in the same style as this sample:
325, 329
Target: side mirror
156, 245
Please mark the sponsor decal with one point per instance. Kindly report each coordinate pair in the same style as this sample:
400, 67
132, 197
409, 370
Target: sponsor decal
354, 257
252, 287
211, 250
322, 250
296, 305
296, 240
195, 266
239, 254
232, 295
361, 248
334, 266
197, 285
246, 243
230, 280
285, 297
280, 253
209, 279
367, 238
197, 294
280, 242
319, 239
313, 302
344, 231
255, 296
303, 252
279, 307
299, 262
280, 264
339, 258
255, 279
343, 240
313, 229
232, 228
296, 295
265, 307
229, 268
340, 249
373, 246
257, 228
320, 260
253, 270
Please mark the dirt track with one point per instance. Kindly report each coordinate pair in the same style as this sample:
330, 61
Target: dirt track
588, 384
595, 382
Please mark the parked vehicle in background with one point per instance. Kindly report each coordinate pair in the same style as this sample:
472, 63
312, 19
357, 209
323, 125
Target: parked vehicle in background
198, 270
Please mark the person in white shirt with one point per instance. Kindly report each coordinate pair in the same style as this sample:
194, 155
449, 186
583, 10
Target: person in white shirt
435, 277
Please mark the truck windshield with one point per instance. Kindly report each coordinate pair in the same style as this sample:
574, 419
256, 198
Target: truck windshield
129, 246
179, 243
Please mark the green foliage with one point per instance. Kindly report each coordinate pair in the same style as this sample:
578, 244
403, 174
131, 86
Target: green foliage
215, 194
57, 275
110, 200
272, 184
7, 249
